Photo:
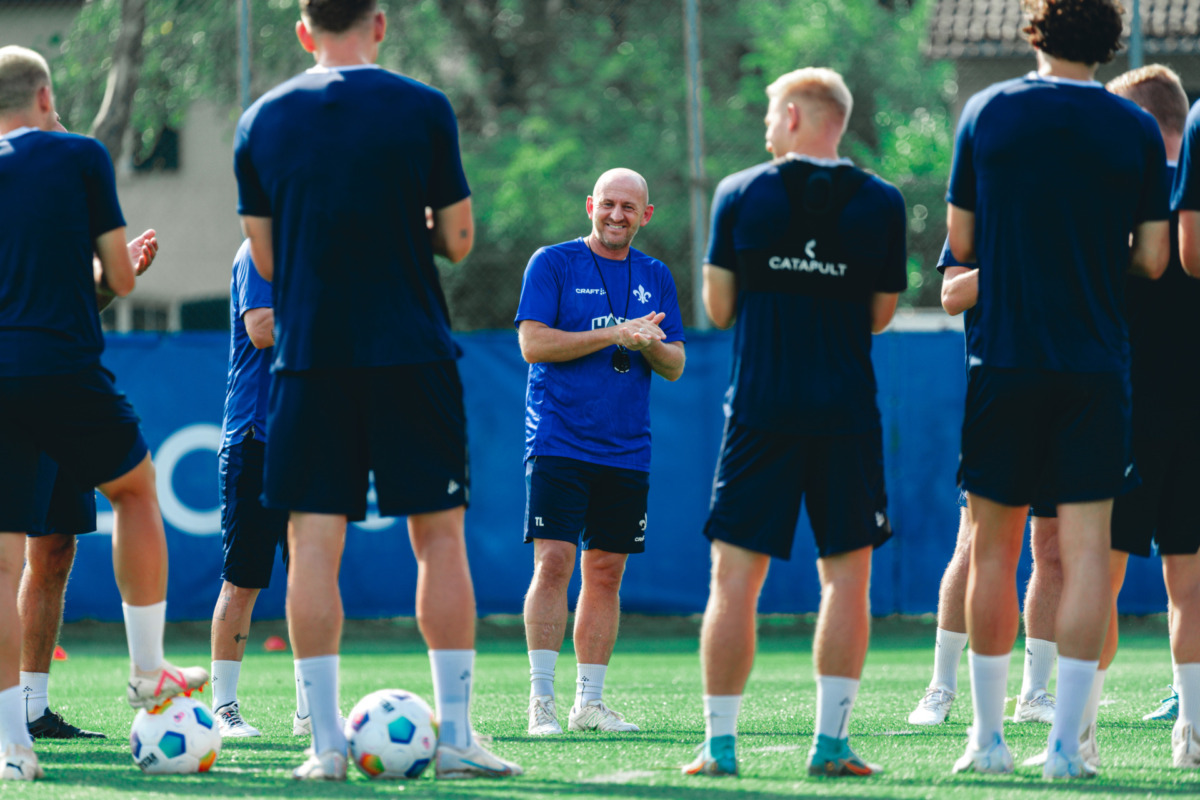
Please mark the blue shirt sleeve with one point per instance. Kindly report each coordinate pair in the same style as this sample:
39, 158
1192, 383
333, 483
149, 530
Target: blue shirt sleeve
721, 250
104, 210
1185, 194
447, 181
253, 200
252, 290
1154, 203
894, 275
962, 191
540, 291
947, 259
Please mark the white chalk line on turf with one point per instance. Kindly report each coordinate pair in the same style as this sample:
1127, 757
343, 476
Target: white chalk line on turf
622, 777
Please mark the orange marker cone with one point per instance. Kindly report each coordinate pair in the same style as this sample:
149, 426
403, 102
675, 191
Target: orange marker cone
59, 653
274, 644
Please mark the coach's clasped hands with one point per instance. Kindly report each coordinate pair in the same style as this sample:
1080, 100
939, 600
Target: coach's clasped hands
641, 332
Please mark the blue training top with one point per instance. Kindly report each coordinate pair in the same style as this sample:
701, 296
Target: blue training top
57, 194
809, 258
585, 409
249, 367
344, 162
1058, 174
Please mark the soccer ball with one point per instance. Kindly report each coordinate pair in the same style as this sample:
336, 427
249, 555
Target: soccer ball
181, 736
392, 734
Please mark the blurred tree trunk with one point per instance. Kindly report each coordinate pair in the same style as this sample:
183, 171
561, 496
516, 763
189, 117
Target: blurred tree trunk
113, 118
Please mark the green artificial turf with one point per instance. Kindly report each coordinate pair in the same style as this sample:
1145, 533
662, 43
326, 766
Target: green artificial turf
654, 680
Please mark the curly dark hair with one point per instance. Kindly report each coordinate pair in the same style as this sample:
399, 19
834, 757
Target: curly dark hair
336, 16
1084, 31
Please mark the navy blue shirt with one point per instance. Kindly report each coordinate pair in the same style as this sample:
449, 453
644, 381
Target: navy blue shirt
1058, 174
57, 194
802, 359
971, 315
584, 409
345, 162
249, 367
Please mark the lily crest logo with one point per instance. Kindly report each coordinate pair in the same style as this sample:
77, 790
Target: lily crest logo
641, 294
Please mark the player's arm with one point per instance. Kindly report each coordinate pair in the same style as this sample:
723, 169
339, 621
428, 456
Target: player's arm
1151, 249
453, 230
112, 266
142, 251
666, 359
260, 326
960, 289
883, 308
1189, 241
262, 251
541, 344
960, 225
720, 295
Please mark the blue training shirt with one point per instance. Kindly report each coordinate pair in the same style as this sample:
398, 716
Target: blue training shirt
584, 409
802, 343
249, 367
1058, 174
57, 195
344, 162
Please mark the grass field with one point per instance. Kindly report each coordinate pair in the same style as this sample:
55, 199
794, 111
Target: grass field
654, 680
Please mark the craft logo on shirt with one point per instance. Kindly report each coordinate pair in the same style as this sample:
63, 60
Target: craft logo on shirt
6, 148
810, 263
607, 321
641, 294
589, 291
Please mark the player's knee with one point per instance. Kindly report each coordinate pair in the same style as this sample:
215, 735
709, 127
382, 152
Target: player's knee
50, 557
135, 486
604, 574
553, 566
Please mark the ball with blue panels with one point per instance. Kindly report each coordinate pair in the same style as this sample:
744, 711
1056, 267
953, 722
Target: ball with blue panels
178, 737
392, 734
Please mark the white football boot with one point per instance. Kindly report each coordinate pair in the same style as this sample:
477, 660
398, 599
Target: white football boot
543, 716
149, 689
1039, 708
328, 766
20, 764
995, 759
472, 761
1185, 746
231, 724
934, 707
595, 716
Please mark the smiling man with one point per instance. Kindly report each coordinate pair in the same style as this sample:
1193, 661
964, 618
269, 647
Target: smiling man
587, 434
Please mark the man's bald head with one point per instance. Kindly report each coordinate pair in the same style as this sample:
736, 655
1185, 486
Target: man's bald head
625, 177
22, 73
619, 206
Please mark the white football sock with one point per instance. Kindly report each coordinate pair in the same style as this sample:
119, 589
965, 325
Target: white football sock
224, 679
835, 700
144, 629
1039, 663
720, 714
13, 727
1187, 683
35, 686
452, 670
1075, 680
541, 672
320, 676
301, 697
589, 685
1092, 709
989, 680
946, 656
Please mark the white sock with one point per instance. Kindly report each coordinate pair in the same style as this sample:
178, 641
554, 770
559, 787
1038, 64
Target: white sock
13, 727
144, 629
301, 697
1039, 663
541, 672
589, 685
1092, 709
947, 654
1075, 680
452, 671
35, 686
224, 682
1187, 683
989, 680
835, 700
720, 714
320, 676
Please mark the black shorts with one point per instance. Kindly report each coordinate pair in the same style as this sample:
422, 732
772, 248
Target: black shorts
80, 421
250, 533
67, 508
1160, 510
1046, 438
572, 501
762, 476
1047, 512
328, 430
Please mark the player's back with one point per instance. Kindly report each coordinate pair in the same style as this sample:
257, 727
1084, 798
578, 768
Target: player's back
346, 162
1058, 174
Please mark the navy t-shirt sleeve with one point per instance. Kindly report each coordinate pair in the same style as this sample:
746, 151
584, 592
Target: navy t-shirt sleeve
447, 181
893, 278
962, 191
721, 250
104, 210
1154, 202
540, 291
947, 259
253, 291
253, 200
1185, 194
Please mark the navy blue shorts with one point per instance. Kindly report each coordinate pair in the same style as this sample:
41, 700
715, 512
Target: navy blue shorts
80, 421
65, 507
762, 476
1046, 437
1161, 510
249, 532
569, 500
1048, 512
327, 430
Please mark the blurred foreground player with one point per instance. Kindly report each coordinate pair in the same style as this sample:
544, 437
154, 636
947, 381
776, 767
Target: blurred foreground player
1048, 396
58, 198
807, 254
364, 377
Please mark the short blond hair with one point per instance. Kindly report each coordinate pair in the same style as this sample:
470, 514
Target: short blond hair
1158, 90
22, 73
817, 85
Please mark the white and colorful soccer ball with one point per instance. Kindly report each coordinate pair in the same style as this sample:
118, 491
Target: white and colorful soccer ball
179, 737
392, 734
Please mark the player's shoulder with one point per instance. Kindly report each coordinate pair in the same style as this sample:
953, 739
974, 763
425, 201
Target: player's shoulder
242, 263
740, 181
556, 255
649, 262
997, 91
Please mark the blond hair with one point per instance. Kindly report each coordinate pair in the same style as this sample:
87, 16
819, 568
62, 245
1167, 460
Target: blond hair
22, 73
1158, 90
815, 86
